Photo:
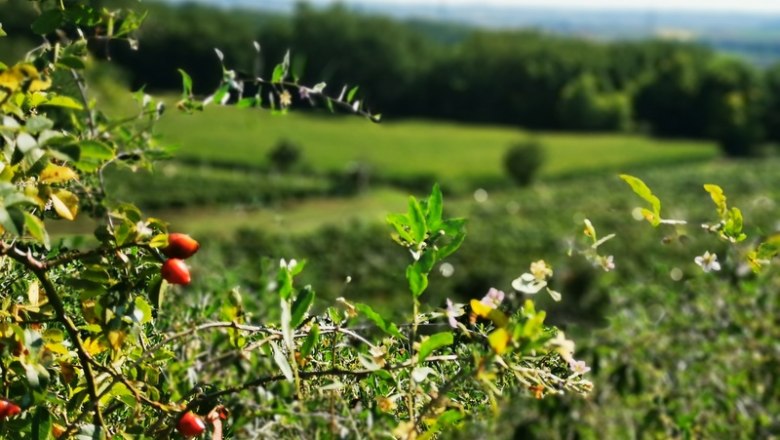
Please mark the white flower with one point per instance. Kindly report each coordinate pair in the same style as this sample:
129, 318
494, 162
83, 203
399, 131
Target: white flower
493, 298
578, 367
283, 264
535, 280
453, 312
708, 262
607, 263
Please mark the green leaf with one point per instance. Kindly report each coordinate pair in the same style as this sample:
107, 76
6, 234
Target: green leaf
72, 63
282, 363
284, 280
2, 32
455, 230
41, 423
387, 327
432, 343
157, 292
641, 189
418, 280
246, 102
143, 311
435, 204
287, 330
186, 83
416, 220
222, 94
63, 101
47, 22
311, 340
351, 93
733, 226
401, 224
36, 124
96, 150
12, 220
36, 229
301, 306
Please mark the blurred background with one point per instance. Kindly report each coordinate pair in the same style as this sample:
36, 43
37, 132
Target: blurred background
524, 112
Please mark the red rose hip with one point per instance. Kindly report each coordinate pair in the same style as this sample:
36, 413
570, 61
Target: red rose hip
191, 425
175, 271
8, 409
180, 246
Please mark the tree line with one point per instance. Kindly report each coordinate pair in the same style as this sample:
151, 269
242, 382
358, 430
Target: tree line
406, 69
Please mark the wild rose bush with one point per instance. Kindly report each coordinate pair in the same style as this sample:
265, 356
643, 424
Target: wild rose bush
91, 350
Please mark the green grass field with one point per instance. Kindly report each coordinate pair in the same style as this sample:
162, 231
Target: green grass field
446, 151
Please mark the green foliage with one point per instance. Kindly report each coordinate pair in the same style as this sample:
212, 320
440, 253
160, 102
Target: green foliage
584, 107
97, 341
523, 160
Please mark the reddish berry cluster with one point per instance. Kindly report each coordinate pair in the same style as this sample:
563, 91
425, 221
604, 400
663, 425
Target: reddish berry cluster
8, 409
180, 247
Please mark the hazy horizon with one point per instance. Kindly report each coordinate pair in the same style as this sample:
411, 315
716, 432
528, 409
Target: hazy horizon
704, 6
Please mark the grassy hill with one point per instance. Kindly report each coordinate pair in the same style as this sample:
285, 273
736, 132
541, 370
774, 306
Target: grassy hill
446, 151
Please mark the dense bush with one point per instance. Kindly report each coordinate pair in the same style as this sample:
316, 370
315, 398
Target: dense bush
103, 341
284, 156
523, 160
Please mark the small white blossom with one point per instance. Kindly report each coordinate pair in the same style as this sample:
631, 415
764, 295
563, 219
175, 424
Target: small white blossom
452, 313
578, 367
446, 270
607, 263
535, 280
708, 262
283, 264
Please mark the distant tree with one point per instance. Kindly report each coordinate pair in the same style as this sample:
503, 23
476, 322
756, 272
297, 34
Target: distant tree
583, 107
771, 118
285, 155
731, 97
523, 160
666, 100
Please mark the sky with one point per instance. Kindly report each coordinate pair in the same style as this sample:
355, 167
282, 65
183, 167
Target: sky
703, 5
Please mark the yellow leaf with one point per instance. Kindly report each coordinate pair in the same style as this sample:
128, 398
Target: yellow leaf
93, 346
38, 85
499, 340
485, 311
65, 203
12, 79
57, 174
57, 348
116, 338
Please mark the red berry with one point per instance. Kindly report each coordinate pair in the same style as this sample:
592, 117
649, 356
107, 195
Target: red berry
191, 425
175, 271
8, 409
180, 246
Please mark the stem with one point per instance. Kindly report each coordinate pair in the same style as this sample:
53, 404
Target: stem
59, 308
412, 386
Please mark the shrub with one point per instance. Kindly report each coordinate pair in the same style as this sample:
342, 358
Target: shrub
523, 160
285, 155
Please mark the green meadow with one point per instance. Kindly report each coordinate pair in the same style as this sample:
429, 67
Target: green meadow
444, 150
